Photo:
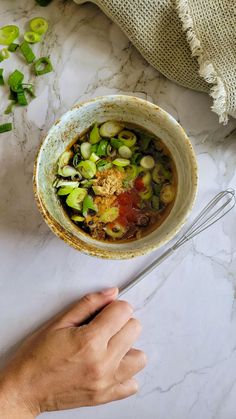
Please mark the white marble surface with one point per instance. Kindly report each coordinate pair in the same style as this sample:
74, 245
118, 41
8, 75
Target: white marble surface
187, 307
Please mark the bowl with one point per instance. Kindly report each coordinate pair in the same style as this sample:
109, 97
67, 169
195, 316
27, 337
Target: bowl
130, 110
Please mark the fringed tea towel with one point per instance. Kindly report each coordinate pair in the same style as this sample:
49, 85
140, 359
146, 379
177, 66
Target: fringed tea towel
192, 42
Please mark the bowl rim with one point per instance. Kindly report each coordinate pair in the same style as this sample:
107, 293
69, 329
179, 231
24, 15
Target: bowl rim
93, 250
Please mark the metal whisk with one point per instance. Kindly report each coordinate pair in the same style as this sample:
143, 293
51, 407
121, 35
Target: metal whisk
217, 208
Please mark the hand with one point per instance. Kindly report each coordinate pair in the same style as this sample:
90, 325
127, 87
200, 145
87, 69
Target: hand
68, 363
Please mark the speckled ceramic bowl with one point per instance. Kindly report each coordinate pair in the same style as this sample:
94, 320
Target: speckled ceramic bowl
76, 121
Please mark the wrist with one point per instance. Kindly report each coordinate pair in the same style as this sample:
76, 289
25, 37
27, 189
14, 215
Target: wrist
12, 404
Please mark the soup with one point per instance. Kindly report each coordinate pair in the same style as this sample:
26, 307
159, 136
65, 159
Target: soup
116, 182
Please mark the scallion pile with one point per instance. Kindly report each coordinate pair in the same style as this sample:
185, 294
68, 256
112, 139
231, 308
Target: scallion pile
20, 91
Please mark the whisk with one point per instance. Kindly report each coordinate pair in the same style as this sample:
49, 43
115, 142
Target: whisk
216, 209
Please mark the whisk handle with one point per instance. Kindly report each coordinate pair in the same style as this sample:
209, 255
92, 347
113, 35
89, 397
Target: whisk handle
134, 281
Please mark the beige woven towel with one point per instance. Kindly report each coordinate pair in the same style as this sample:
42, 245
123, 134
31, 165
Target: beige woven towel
192, 42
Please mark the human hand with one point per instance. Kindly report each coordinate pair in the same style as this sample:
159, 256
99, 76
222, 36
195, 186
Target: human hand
68, 364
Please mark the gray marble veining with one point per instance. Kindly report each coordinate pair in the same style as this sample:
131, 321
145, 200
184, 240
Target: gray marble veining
187, 307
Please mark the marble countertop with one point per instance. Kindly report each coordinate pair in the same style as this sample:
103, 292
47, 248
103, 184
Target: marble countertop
187, 306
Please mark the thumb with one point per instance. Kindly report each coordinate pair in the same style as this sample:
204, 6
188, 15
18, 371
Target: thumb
85, 308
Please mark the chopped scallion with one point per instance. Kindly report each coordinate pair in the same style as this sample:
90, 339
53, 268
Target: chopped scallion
12, 96
29, 88
42, 66
13, 47
27, 52
21, 98
38, 25
5, 127
116, 143
110, 129
1, 77
121, 162
88, 204
32, 37
15, 80
102, 148
9, 108
94, 136
8, 34
4, 54
147, 162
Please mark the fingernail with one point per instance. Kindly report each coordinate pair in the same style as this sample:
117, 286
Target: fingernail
109, 291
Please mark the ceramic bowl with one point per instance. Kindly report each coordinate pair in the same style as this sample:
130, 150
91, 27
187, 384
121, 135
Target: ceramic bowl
75, 122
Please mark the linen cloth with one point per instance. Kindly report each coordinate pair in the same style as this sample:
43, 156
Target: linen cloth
192, 42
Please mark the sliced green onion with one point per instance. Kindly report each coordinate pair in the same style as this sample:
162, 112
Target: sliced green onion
29, 88
21, 98
131, 172
155, 203
94, 136
39, 25
94, 148
66, 190
160, 173
85, 149
147, 162
157, 188
87, 169
128, 138
103, 165
117, 231
88, 204
9, 108
147, 178
76, 197
68, 171
1, 77
110, 215
102, 148
63, 182
76, 159
12, 95
4, 54
13, 47
32, 37
121, 162
111, 151
27, 52
5, 127
135, 159
121, 169
147, 194
77, 218
87, 183
97, 190
125, 152
110, 129
43, 3
64, 160
8, 34
94, 157
144, 143
43, 66
15, 80
167, 194
116, 143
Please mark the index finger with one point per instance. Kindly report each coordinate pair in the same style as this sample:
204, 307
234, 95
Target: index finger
111, 319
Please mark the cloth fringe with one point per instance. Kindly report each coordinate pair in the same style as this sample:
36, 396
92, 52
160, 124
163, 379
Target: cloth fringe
206, 68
